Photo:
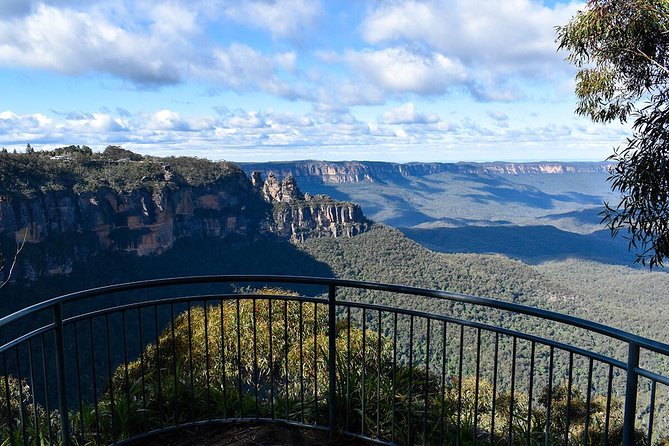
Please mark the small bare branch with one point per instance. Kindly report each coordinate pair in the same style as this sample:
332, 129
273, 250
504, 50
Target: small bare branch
19, 248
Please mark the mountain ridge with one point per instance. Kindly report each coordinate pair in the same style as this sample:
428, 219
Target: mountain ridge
338, 172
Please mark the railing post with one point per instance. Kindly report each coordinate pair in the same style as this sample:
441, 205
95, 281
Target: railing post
332, 372
631, 394
60, 375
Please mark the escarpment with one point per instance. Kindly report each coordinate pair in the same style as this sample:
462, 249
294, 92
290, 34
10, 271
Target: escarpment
70, 210
338, 172
65, 227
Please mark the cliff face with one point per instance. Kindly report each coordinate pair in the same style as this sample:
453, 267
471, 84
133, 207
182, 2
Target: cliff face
326, 172
300, 216
319, 218
61, 228
144, 222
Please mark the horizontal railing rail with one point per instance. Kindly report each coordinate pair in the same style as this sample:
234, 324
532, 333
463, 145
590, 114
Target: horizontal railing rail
606, 330
416, 354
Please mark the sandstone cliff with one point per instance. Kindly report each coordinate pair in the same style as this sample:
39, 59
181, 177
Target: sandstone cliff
63, 225
328, 172
300, 216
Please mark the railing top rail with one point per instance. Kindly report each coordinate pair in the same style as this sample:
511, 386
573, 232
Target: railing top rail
596, 327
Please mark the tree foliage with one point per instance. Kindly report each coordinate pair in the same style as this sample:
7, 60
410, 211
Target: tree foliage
78, 169
621, 48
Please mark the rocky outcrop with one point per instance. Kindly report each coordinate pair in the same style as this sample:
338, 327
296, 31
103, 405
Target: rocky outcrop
145, 221
301, 216
318, 216
275, 191
327, 172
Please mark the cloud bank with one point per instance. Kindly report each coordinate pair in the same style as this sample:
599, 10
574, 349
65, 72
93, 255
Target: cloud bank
401, 79
419, 48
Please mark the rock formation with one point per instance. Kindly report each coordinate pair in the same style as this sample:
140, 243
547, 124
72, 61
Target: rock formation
63, 227
275, 191
300, 216
319, 217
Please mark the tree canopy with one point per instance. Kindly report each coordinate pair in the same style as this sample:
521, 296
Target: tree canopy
79, 169
621, 50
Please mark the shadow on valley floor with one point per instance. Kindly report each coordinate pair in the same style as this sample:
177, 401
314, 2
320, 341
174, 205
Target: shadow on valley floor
531, 244
501, 190
589, 216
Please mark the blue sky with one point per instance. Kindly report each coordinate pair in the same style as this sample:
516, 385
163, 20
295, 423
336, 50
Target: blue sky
259, 80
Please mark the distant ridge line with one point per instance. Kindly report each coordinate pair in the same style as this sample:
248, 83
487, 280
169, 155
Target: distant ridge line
335, 172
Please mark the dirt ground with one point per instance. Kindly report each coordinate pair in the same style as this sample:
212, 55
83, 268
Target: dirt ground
243, 435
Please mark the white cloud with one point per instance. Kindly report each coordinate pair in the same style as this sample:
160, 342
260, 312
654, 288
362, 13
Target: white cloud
169, 120
146, 43
282, 18
407, 114
74, 43
172, 19
240, 67
252, 120
257, 135
471, 127
336, 95
289, 120
516, 35
495, 90
400, 70
12, 123
96, 122
498, 116
495, 43
287, 61
420, 48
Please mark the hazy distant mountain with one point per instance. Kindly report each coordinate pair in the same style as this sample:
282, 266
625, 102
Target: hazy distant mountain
337, 172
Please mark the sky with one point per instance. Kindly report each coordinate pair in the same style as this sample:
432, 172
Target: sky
260, 80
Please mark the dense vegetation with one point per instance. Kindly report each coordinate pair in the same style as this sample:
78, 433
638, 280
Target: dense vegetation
632, 299
384, 255
79, 169
590, 290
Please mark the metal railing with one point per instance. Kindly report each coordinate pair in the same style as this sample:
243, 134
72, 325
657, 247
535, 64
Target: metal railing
119, 363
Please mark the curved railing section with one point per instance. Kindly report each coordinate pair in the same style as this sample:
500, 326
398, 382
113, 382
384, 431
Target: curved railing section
387, 364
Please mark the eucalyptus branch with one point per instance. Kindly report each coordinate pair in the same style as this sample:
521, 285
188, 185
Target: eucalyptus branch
651, 60
624, 40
